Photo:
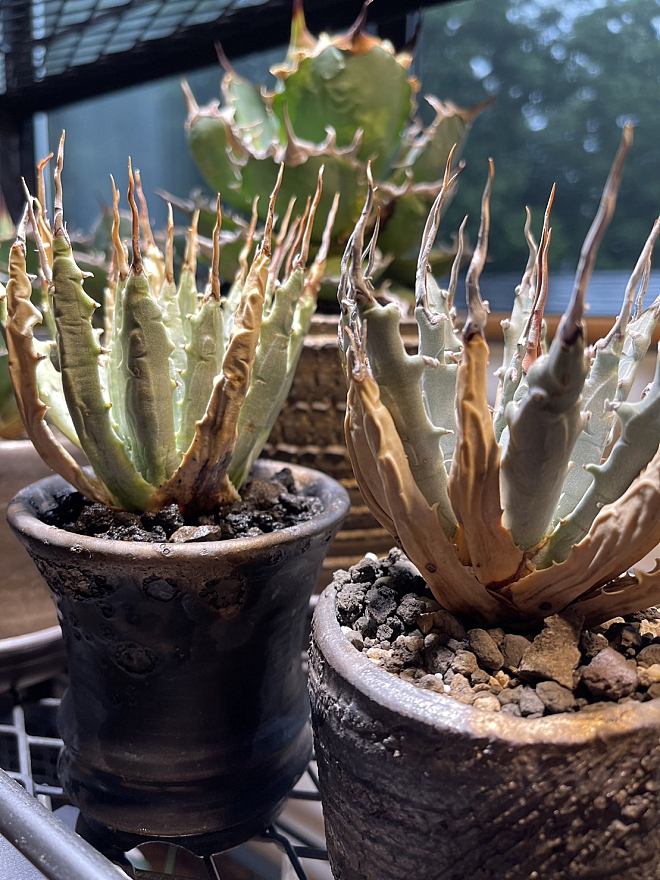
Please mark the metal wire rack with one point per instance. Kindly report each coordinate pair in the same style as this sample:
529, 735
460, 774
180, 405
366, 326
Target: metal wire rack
290, 849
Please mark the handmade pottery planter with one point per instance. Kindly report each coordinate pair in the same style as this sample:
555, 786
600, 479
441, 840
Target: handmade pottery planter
418, 785
186, 717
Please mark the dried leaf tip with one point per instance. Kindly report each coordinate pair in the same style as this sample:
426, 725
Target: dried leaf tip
356, 243
120, 252
190, 254
478, 309
241, 272
570, 326
144, 212
21, 229
58, 214
43, 259
324, 249
191, 103
135, 228
456, 265
301, 39
634, 287
41, 185
266, 244
169, 245
534, 327
430, 233
215, 262
301, 259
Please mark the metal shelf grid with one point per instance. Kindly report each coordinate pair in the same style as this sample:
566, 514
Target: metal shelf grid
29, 747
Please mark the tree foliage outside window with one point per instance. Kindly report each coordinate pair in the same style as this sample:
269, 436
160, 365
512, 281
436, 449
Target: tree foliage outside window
566, 77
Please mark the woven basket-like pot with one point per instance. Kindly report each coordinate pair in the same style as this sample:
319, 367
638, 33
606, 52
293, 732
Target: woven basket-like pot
416, 785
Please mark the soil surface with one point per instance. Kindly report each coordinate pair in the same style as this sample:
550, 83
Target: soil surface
388, 613
265, 506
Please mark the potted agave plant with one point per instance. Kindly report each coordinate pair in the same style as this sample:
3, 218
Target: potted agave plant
539, 756
186, 716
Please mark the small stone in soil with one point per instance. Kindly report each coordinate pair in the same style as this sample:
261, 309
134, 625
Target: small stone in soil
608, 676
554, 653
554, 697
485, 649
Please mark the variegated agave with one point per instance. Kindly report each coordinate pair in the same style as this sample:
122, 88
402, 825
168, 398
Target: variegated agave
500, 524
339, 101
178, 402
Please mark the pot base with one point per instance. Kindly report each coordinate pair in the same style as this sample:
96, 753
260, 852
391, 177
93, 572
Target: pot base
113, 843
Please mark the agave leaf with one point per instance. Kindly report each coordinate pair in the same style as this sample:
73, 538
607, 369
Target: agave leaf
474, 478
634, 520
600, 387
81, 381
634, 591
543, 428
23, 360
113, 358
545, 424
415, 521
205, 351
235, 295
169, 303
341, 175
638, 339
216, 151
268, 375
204, 354
187, 290
447, 133
259, 126
201, 481
374, 85
398, 375
148, 388
49, 383
636, 446
362, 461
11, 426
436, 334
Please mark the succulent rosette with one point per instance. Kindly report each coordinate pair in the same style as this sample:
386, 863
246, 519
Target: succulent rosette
340, 102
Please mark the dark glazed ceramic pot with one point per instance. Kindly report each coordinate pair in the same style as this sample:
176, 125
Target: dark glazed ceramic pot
416, 785
186, 717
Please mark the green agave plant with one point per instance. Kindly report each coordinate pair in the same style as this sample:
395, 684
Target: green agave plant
516, 513
177, 402
340, 102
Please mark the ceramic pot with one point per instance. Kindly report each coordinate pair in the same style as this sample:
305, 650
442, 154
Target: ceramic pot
418, 785
186, 717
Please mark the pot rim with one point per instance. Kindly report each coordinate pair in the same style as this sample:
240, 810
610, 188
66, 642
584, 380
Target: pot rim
22, 515
420, 707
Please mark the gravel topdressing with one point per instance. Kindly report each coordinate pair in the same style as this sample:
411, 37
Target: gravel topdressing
265, 506
388, 613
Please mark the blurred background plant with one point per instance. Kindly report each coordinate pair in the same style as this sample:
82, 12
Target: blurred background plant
338, 101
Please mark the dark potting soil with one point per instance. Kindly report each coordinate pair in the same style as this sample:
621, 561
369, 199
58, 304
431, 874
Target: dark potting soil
265, 506
387, 612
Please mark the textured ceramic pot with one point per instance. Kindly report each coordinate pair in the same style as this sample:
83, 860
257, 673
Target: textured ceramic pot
420, 786
186, 717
